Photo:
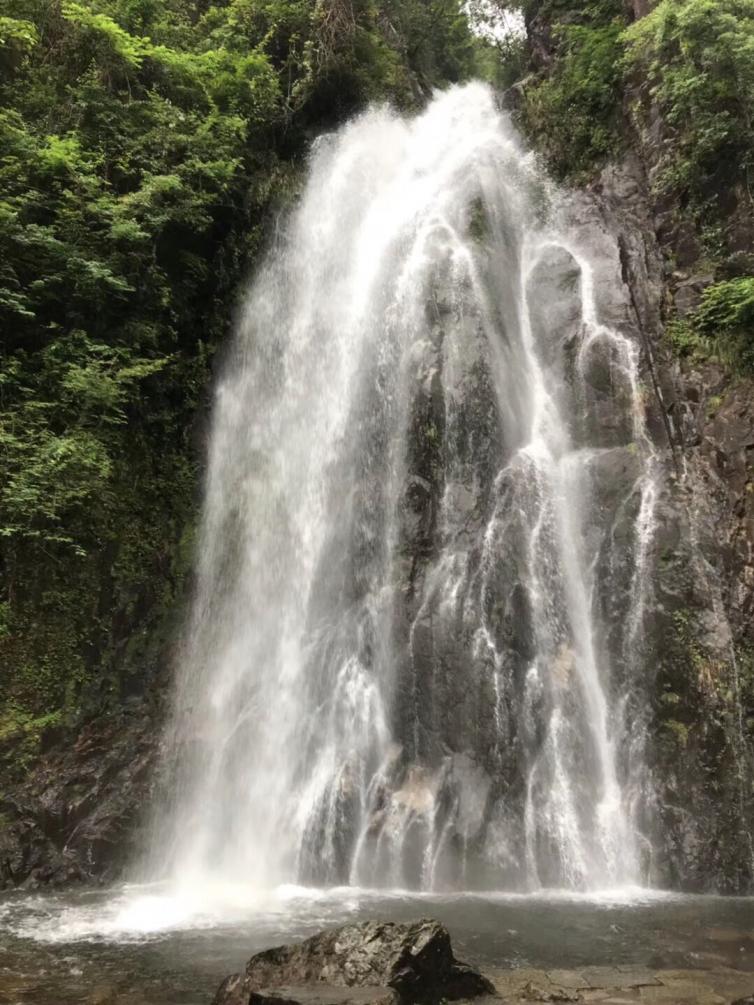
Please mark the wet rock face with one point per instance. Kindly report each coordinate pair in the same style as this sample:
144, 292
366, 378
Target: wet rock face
403, 964
77, 816
471, 702
698, 655
704, 686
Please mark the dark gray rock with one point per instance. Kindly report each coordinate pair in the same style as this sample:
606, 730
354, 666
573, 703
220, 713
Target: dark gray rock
324, 994
76, 817
688, 294
698, 682
405, 963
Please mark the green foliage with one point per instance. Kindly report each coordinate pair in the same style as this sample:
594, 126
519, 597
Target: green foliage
699, 58
713, 404
20, 740
57, 452
439, 44
693, 60
16, 34
144, 146
684, 338
722, 327
727, 307
573, 109
500, 41
679, 731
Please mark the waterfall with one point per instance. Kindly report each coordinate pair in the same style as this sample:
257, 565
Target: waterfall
415, 653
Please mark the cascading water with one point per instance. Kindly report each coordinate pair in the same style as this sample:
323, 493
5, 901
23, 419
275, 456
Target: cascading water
416, 641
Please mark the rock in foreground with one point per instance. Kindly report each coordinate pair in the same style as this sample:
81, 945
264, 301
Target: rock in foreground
401, 964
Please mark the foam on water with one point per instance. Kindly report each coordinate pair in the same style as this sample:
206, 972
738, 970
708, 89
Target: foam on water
143, 913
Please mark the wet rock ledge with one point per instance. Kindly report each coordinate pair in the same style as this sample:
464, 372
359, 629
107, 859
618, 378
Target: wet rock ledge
382, 963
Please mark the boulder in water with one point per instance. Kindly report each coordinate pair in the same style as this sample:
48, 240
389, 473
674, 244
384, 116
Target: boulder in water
411, 963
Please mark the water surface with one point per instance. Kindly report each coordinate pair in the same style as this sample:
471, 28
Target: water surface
144, 946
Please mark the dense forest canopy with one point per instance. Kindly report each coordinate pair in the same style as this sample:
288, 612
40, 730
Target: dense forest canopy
144, 145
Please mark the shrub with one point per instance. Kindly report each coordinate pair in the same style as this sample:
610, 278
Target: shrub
699, 58
722, 327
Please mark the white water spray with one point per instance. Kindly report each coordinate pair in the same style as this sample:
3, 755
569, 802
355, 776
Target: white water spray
427, 452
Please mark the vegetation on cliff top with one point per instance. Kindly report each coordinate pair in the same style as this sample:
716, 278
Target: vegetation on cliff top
684, 75
698, 59
573, 106
698, 56
694, 60
143, 146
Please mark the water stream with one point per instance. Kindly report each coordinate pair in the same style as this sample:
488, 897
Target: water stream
428, 464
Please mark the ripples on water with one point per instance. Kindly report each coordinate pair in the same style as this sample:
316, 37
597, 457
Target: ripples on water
152, 946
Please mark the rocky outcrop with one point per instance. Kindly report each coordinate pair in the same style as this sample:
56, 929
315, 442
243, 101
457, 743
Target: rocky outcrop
379, 963
75, 818
700, 661
698, 650
700, 627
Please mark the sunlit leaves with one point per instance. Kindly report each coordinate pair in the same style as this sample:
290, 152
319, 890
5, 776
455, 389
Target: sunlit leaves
17, 38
